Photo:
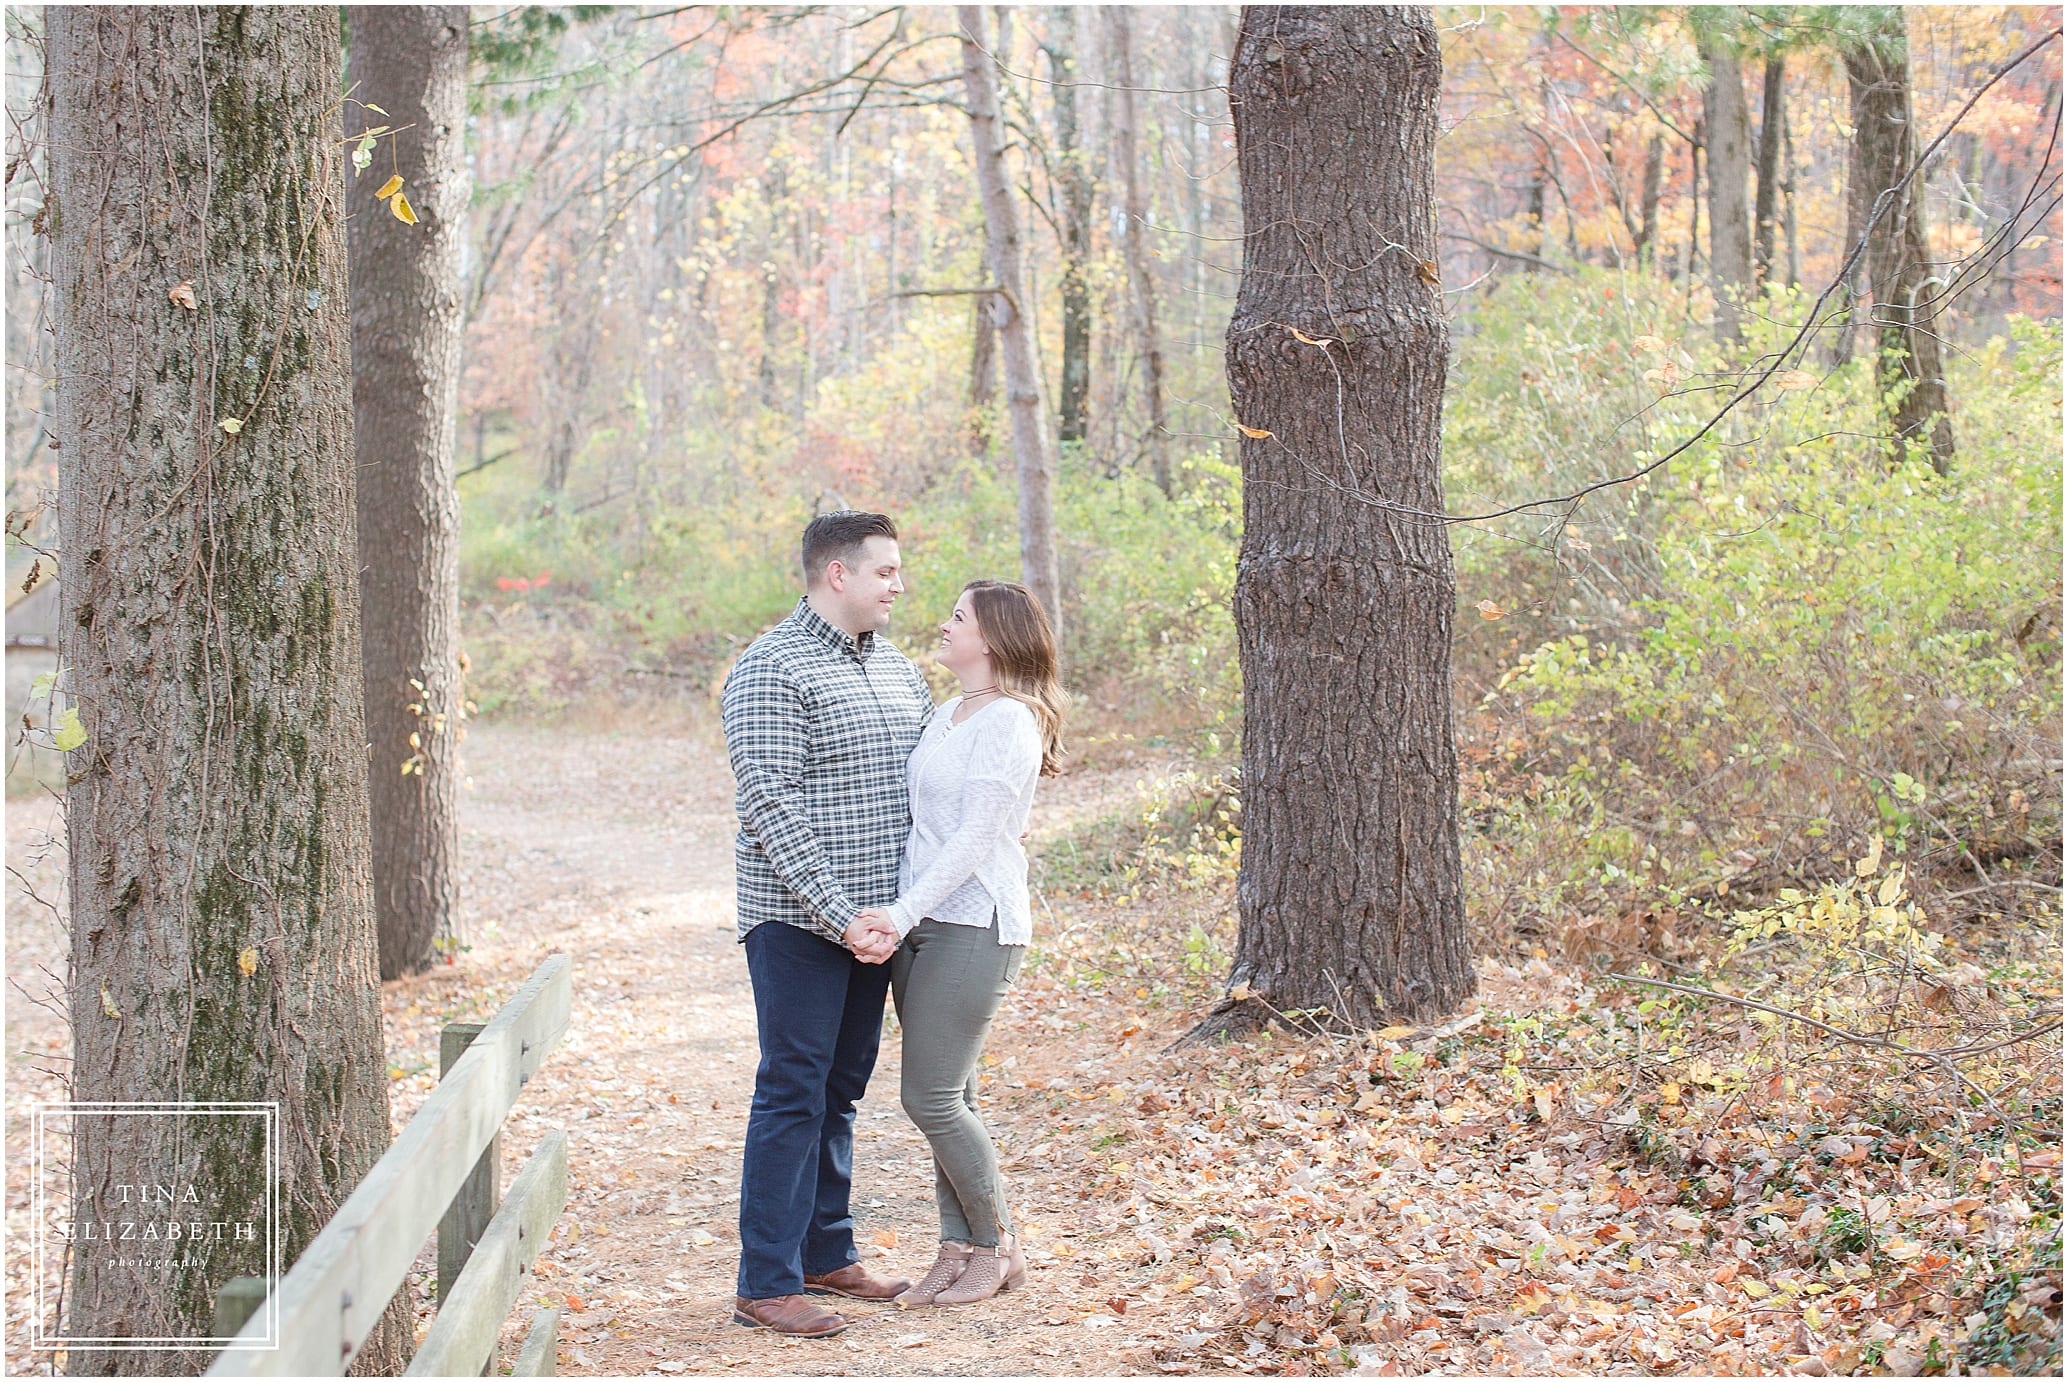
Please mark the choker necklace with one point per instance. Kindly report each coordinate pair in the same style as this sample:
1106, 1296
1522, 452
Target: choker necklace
983, 691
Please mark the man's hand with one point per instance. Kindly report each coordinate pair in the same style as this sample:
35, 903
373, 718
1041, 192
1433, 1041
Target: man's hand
873, 936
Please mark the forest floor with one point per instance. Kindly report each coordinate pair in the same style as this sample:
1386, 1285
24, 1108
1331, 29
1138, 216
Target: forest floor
1291, 1203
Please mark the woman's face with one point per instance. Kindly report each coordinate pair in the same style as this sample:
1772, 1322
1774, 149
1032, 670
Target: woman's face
962, 649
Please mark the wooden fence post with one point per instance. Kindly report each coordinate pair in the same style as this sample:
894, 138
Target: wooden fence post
466, 1220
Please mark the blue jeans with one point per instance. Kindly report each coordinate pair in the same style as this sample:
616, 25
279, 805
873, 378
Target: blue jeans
819, 1012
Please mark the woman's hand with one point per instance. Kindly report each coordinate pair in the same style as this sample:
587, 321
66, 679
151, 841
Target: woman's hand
873, 936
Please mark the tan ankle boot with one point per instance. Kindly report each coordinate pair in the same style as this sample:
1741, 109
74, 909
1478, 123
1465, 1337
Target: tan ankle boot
989, 1271
945, 1271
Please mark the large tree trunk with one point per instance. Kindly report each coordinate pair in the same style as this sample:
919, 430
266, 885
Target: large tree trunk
1899, 275
1010, 306
223, 944
1728, 124
1350, 890
1074, 178
1135, 246
411, 60
1773, 119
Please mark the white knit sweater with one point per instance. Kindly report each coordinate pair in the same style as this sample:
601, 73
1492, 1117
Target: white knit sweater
972, 786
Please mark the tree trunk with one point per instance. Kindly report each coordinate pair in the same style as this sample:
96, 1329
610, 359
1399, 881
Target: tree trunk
1350, 891
1766, 200
1729, 139
1648, 222
1134, 245
411, 60
1533, 215
1038, 565
983, 378
223, 943
1788, 199
1074, 178
1899, 275
1852, 287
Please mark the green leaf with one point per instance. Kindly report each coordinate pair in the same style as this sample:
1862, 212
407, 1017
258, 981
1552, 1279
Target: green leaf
40, 687
70, 733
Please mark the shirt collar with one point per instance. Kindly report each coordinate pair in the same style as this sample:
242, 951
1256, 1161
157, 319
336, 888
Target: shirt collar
839, 640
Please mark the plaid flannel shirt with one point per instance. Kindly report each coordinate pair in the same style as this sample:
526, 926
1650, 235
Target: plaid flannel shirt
818, 724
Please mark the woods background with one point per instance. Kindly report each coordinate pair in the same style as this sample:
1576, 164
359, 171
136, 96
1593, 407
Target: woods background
1779, 718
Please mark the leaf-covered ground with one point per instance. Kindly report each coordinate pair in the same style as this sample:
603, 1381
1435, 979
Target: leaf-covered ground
1536, 1191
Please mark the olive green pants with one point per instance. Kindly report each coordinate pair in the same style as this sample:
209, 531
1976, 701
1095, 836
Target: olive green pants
947, 982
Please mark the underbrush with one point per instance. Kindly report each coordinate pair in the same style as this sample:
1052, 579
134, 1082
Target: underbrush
1726, 678
675, 590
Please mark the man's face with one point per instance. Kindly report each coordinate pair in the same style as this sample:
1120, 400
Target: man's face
867, 589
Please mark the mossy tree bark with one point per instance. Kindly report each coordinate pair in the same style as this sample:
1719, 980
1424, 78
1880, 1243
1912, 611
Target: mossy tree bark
1350, 890
1903, 317
410, 60
222, 925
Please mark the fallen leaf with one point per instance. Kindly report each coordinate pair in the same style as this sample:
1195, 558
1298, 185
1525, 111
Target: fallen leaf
1256, 432
1489, 610
182, 294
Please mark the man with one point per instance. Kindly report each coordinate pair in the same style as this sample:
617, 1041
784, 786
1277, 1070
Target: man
820, 715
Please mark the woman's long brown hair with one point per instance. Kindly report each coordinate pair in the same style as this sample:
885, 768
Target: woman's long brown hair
1023, 654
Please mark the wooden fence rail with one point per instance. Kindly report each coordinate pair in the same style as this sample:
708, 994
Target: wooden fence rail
332, 1297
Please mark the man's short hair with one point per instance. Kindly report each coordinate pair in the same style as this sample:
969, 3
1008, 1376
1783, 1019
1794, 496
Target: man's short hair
839, 537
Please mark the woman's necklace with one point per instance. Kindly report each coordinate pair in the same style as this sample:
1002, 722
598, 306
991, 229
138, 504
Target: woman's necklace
966, 697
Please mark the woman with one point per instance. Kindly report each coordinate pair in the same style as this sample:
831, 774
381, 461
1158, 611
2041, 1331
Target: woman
963, 915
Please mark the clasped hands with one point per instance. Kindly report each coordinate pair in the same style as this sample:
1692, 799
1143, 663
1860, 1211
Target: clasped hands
873, 936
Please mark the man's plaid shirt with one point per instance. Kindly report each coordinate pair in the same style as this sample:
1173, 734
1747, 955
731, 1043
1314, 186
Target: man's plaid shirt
818, 724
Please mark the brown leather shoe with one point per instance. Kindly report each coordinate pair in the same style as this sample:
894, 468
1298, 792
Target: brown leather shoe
792, 1315
854, 1280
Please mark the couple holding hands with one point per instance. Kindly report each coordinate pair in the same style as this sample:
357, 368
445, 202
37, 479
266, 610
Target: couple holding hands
879, 849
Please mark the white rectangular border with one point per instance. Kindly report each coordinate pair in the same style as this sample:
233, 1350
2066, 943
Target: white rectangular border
270, 1112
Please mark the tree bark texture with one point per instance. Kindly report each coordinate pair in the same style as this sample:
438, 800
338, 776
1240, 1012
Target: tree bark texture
411, 60
1899, 273
1073, 178
222, 927
1766, 201
1032, 454
1728, 123
1349, 891
1135, 244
